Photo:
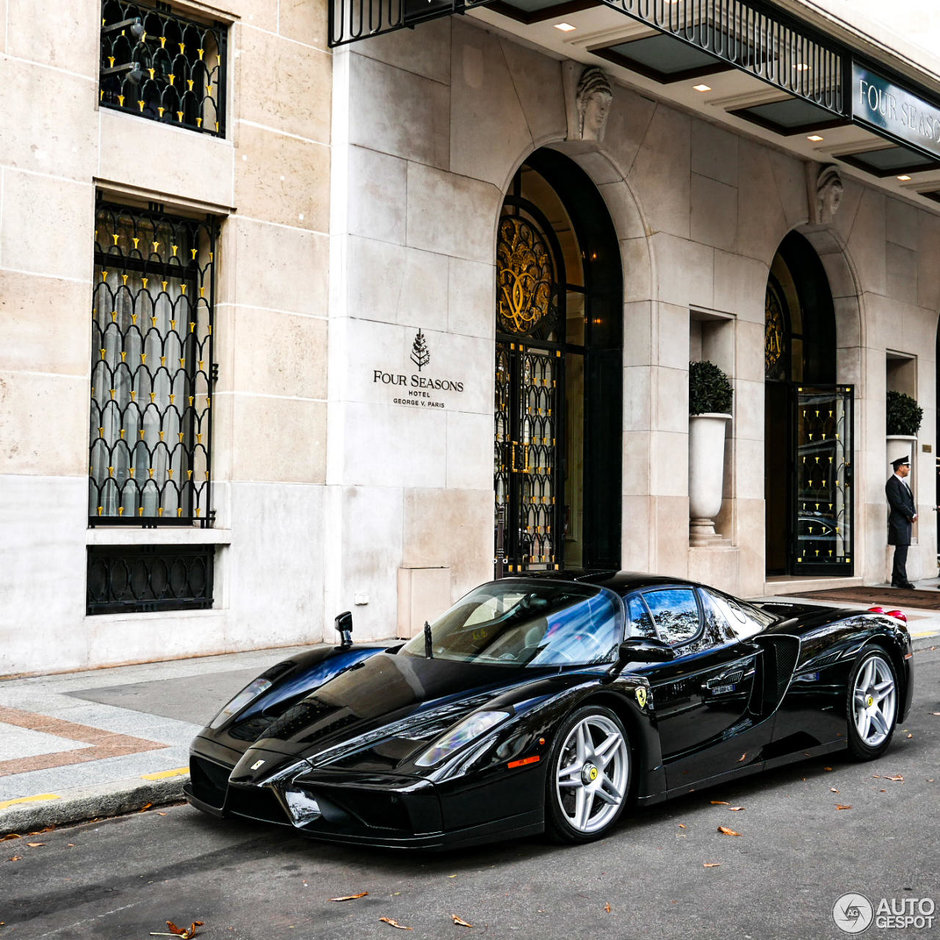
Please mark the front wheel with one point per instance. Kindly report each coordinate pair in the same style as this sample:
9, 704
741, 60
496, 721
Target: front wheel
588, 775
872, 704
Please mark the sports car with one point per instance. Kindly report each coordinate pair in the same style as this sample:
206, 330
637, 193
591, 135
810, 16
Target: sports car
549, 704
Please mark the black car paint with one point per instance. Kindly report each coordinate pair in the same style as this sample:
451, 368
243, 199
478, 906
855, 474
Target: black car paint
729, 711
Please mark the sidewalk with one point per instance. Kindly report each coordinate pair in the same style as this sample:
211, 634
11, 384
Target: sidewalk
81, 745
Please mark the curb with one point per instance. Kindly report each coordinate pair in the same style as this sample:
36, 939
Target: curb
101, 800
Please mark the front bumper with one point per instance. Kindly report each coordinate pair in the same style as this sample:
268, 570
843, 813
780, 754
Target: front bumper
357, 808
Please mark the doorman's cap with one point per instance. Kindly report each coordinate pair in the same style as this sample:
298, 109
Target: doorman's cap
901, 462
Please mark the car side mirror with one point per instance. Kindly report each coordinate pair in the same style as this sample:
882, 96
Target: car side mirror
641, 649
344, 627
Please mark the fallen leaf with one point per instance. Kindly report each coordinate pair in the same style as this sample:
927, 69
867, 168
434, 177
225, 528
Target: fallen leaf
607, 908
35, 845
161, 814
186, 934
460, 922
736, 809
910, 736
897, 778
742, 758
145, 807
724, 830
935, 714
394, 923
350, 897
17, 858
39, 832
833, 790
882, 791
719, 802
827, 769
12, 835
682, 825
843, 806
711, 864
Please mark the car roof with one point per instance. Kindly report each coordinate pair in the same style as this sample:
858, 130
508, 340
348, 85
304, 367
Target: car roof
623, 582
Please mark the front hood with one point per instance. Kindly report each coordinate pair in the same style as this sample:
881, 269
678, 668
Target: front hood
391, 705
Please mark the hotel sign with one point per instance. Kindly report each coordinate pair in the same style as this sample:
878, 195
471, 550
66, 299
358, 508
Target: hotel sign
884, 106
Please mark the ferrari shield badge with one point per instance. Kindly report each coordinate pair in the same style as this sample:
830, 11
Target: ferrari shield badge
641, 696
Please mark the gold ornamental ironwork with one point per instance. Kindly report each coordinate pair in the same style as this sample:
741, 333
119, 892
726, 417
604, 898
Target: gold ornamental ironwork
524, 275
773, 333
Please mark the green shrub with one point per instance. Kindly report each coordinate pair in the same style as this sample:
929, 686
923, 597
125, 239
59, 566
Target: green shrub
904, 415
709, 389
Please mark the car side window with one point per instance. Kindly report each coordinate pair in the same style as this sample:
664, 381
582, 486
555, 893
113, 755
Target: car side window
675, 612
743, 620
641, 623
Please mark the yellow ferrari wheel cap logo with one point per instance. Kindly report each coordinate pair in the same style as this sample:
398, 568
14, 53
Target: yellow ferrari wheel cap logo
641, 697
593, 774
871, 700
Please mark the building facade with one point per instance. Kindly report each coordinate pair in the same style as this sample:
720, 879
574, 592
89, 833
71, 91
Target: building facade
296, 321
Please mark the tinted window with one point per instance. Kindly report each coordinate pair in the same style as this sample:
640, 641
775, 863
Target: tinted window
742, 619
675, 612
641, 624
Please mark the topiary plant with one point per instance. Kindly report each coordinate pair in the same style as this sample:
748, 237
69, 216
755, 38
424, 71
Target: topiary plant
710, 389
903, 414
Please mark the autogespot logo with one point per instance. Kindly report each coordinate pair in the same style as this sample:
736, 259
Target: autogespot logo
854, 913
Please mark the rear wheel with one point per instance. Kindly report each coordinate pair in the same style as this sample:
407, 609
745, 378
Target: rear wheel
589, 775
872, 705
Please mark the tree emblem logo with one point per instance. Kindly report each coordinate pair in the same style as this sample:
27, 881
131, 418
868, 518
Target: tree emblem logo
419, 351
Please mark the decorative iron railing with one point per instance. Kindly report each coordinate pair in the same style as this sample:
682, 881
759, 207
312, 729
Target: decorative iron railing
746, 34
753, 38
137, 579
163, 66
152, 369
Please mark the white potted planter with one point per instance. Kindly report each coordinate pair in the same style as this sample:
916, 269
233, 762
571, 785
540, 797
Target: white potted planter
706, 474
710, 396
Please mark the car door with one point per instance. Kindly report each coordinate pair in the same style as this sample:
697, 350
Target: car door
701, 699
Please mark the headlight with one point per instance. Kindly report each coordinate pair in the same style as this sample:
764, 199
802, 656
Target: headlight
462, 733
245, 697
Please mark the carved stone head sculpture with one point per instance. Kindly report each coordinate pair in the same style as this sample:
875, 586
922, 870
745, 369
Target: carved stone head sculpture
593, 98
829, 190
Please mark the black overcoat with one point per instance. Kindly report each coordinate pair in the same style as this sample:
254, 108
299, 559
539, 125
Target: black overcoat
901, 515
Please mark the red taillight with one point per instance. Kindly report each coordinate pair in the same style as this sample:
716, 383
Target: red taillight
876, 610
898, 615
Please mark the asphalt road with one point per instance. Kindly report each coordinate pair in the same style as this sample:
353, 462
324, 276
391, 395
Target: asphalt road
666, 873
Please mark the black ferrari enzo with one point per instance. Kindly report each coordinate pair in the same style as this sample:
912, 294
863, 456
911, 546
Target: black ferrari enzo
549, 703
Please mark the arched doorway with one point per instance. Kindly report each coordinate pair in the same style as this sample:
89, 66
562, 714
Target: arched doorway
559, 387
807, 422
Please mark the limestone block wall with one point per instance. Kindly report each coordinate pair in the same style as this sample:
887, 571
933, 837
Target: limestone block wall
439, 120
267, 181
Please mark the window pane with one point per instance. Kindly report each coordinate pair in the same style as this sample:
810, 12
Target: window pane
151, 367
676, 614
641, 624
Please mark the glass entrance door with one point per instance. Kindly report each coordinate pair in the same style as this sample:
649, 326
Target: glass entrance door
822, 530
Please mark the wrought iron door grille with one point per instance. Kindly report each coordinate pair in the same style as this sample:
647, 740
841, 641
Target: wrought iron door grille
138, 579
163, 66
152, 369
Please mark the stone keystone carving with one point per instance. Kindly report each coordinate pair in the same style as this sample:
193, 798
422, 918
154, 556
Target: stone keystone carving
825, 193
587, 101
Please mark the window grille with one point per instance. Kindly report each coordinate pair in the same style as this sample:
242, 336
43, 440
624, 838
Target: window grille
137, 579
163, 66
151, 368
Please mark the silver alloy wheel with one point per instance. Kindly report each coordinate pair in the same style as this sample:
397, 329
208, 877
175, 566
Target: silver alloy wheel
593, 771
875, 701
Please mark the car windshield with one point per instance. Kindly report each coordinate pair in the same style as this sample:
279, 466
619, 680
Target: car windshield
527, 623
